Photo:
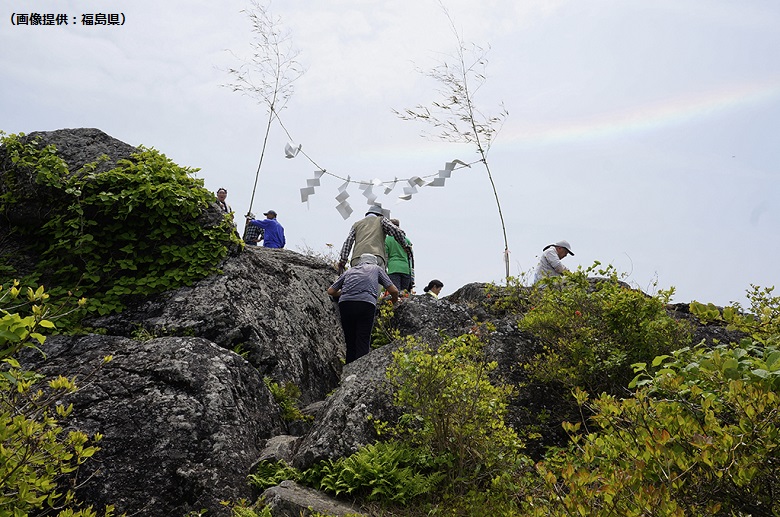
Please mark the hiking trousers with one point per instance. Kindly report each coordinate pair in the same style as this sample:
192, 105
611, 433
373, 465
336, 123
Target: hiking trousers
357, 320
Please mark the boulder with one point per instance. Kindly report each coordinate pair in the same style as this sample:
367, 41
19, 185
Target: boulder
76, 147
182, 420
289, 499
346, 422
268, 305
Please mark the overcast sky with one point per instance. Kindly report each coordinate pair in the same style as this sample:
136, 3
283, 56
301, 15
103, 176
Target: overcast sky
645, 133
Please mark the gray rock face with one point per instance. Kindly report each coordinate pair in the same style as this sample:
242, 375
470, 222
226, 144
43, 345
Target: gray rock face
269, 304
429, 319
292, 500
183, 420
85, 145
344, 426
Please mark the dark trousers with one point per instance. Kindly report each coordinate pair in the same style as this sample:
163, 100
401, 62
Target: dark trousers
402, 281
357, 320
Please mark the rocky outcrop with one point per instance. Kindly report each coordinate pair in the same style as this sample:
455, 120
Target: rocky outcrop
268, 305
346, 422
183, 406
76, 147
182, 420
183, 414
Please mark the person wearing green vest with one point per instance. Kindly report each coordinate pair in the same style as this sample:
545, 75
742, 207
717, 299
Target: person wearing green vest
399, 265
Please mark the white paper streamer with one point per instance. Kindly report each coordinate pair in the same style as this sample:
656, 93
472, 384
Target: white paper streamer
344, 209
290, 151
305, 193
392, 186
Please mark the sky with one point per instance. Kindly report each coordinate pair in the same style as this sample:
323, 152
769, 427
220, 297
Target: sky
645, 133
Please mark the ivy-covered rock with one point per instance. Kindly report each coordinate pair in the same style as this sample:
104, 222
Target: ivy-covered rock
96, 217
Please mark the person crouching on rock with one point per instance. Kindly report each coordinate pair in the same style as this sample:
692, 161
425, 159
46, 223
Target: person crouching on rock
358, 292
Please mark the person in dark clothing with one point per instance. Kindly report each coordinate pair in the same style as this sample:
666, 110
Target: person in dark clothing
358, 292
221, 203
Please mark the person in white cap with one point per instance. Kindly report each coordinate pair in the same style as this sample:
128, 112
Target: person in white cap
550, 264
358, 292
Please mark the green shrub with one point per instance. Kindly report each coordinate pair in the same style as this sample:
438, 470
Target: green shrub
287, 395
270, 474
593, 331
243, 508
36, 454
452, 409
701, 436
761, 320
382, 332
131, 230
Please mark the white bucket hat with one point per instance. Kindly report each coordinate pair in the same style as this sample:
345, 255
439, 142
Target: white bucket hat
368, 258
565, 245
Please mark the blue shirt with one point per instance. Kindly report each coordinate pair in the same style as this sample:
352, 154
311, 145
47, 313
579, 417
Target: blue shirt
273, 233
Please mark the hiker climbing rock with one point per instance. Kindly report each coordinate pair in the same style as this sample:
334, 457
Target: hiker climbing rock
400, 268
357, 291
368, 236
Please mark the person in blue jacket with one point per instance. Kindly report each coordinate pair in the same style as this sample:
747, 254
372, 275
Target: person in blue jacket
273, 232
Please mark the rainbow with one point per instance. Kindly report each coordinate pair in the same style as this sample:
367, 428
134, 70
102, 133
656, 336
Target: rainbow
646, 118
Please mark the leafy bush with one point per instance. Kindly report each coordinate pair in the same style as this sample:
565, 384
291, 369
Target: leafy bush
243, 508
35, 452
594, 329
131, 230
383, 332
761, 321
700, 437
453, 410
270, 474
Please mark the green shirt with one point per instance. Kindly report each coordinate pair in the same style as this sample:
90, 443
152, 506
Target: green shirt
397, 259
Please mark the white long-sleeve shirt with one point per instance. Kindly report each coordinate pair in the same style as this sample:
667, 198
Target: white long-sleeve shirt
549, 264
